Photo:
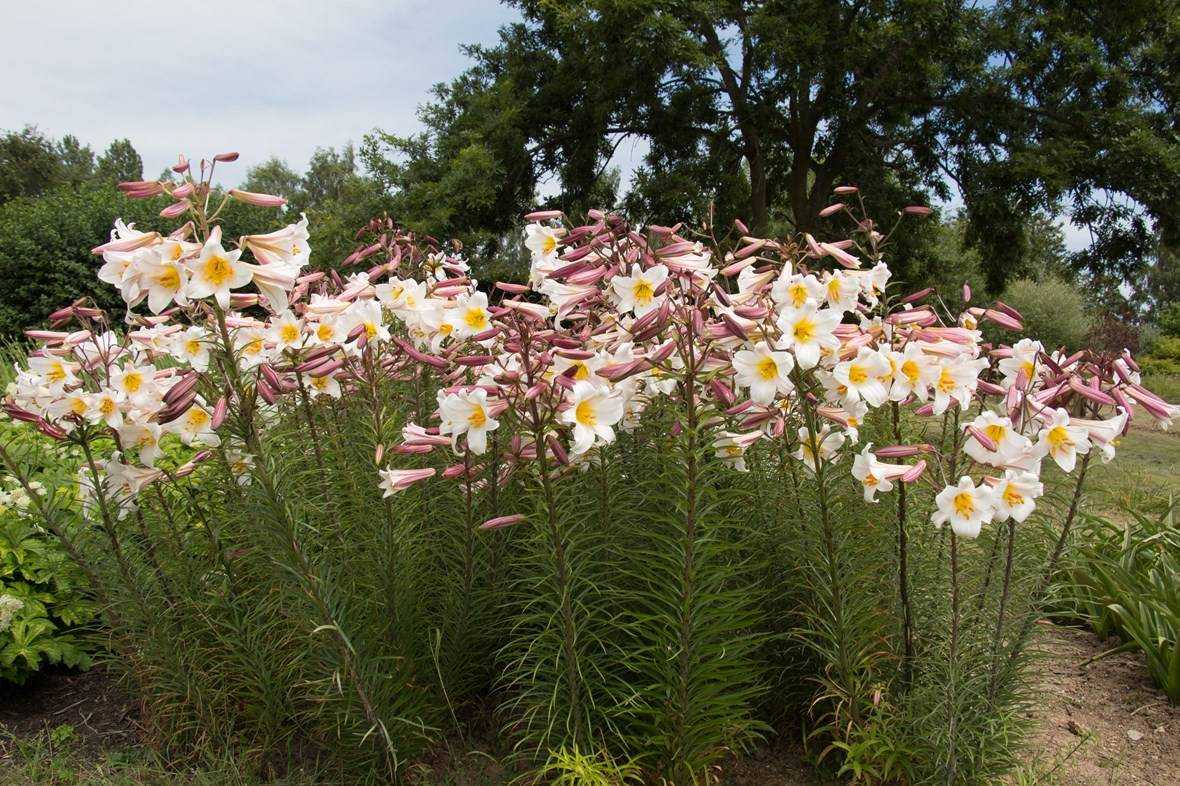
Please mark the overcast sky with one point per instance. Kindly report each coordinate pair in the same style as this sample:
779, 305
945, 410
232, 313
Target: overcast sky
259, 76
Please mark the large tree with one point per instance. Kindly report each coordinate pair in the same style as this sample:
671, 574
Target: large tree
1019, 108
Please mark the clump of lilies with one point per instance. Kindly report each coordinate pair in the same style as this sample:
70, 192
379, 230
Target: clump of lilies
788, 341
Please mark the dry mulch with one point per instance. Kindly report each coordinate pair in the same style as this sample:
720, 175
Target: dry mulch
1134, 732
101, 716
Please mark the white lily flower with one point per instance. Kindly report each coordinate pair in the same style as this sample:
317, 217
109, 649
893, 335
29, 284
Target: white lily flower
1015, 496
593, 410
467, 413
1061, 440
764, 371
966, 507
808, 331
637, 292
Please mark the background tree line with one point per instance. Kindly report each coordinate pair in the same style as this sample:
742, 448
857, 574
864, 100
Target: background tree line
1008, 114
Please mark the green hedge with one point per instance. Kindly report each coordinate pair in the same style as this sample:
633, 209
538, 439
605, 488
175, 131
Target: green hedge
45, 242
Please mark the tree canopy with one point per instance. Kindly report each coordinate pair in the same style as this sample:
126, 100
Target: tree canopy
1017, 109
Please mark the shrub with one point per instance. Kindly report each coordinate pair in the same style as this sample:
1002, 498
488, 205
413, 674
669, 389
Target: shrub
1124, 580
43, 598
1054, 311
1169, 320
616, 502
45, 242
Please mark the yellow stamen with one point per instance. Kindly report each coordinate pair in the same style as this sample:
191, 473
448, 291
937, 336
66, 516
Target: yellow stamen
964, 504
585, 414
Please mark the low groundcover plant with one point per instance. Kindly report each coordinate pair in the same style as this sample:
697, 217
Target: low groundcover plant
675, 491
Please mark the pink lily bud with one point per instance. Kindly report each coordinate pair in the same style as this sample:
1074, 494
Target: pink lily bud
1002, 319
503, 521
267, 393
128, 244
915, 472
966, 292
741, 227
515, 289
916, 296
845, 190
903, 451
916, 210
734, 328
182, 191
737, 267
925, 410
1007, 309
751, 249
47, 336
181, 388
325, 369
841, 256
557, 449
991, 388
50, 430
226, 157
175, 209
982, 438
830, 209
219, 412
181, 166
543, 215
259, 200
138, 189
1093, 394
412, 450
722, 392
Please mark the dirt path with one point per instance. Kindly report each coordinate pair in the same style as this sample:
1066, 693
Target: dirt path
1123, 729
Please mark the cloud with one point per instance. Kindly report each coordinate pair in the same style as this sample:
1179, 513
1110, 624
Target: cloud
260, 76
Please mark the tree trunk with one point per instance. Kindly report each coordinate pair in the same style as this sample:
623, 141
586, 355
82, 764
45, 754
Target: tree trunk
758, 208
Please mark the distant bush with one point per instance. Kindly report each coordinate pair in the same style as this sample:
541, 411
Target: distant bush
1164, 358
1054, 310
45, 242
1169, 320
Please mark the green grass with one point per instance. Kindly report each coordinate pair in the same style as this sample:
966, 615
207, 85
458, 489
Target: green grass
1144, 475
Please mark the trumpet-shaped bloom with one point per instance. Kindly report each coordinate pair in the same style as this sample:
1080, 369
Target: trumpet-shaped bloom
840, 290
875, 475
863, 377
1061, 440
956, 380
912, 373
808, 332
285, 331
966, 507
827, 442
1015, 495
473, 313
395, 480
593, 410
793, 290
192, 347
1009, 442
467, 413
1023, 360
637, 292
216, 271
764, 371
